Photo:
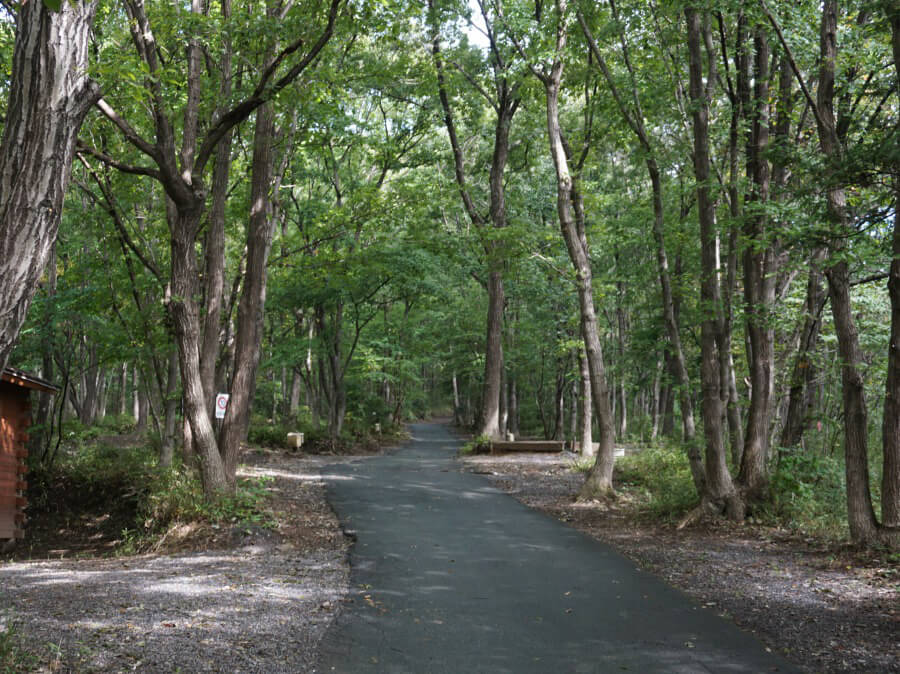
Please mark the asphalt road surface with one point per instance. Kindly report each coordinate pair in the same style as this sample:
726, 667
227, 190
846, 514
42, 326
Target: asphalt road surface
448, 574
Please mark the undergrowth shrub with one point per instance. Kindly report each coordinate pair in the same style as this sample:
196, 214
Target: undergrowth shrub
357, 435
129, 480
477, 445
271, 433
808, 494
660, 474
175, 496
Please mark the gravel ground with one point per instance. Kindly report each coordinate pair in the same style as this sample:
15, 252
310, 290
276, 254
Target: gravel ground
824, 608
260, 605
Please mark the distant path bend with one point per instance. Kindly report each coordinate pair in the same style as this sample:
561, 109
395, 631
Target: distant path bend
451, 575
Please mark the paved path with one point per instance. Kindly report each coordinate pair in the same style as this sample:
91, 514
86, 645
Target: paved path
450, 575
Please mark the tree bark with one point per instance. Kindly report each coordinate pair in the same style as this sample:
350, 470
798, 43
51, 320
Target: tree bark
49, 95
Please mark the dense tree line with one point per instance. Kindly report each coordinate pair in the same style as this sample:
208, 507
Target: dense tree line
601, 222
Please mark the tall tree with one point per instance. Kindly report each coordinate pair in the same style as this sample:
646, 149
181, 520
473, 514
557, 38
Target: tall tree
890, 432
503, 97
632, 110
181, 170
864, 526
720, 493
49, 95
570, 214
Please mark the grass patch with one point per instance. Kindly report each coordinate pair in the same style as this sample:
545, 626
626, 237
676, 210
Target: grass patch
12, 657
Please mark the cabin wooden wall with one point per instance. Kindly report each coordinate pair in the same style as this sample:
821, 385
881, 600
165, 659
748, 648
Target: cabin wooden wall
15, 416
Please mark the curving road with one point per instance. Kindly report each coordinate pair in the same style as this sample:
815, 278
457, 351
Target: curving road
451, 575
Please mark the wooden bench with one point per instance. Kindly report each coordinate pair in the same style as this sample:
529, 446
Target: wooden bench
542, 446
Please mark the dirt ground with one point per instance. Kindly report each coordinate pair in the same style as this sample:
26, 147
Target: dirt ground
211, 597
825, 608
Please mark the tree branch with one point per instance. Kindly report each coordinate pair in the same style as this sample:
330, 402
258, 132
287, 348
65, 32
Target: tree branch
116, 164
261, 94
790, 57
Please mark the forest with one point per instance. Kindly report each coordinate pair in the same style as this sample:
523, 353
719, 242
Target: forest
655, 224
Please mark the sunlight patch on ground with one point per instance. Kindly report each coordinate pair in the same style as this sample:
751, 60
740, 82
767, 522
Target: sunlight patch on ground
254, 471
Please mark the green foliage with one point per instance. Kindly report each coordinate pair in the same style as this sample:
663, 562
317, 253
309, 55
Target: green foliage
477, 445
808, 494
662, 474
268, 433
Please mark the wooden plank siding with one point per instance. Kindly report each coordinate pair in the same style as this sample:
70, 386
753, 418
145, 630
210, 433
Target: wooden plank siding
15, 417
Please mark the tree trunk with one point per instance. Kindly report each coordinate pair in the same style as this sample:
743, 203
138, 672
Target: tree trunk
43, 421
260, 230
493, 365
667, 404
621, 337
803, 372
559, 401
720, 493
673, 332
49, 95
457, 410
135, 397
740, 102
103, 398
587, 438
186, 323
759, 287
890, 486
655, 404
90, 385
296, 390
122, 400
860, 513
634, 117
167, 446
181, 171
513, 424
506, 104
504, 405
599, 482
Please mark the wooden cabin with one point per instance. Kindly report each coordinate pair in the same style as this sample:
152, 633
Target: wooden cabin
15, 417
